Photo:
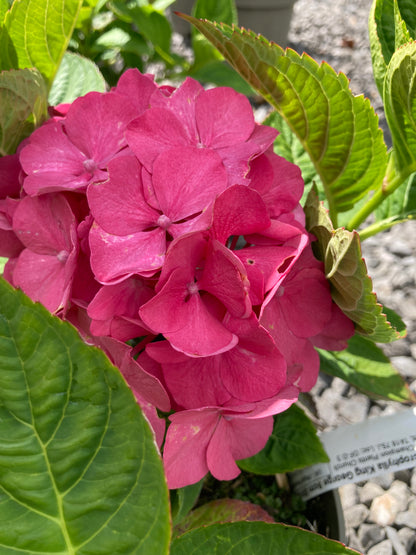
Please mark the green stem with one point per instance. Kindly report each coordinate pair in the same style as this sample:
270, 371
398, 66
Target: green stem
391, 182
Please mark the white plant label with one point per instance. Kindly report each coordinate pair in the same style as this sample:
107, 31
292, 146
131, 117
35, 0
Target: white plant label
359, 452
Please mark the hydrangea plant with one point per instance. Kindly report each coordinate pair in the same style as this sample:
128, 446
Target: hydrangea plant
173, 232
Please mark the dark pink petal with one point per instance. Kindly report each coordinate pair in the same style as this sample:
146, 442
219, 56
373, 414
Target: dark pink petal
305, 300
140, 381
115, 258
224, 276
186, 180
238, 211
236, 438
182, 103
105, 199
180, 314
10, 244
44, 278
254, 369
187, 439
301, 358
114, 310
136, 88
224, 117
193, 382
334, 336
9, 176
52, 162
156, 130
267, 407
157, 424
46, 225
282, 190
185, 252
96, 125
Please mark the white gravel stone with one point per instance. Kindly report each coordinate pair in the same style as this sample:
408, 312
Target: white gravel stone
356, 515
407, 537
401, 493
370, 534
382, 548
370, 491
384, 509
407, 518
349, 495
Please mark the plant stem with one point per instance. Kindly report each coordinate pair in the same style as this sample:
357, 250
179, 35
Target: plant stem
391, 182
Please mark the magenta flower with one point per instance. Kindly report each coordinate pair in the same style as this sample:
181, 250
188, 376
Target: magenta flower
114, 311
71, 152
173, 201
45, 269
252, 370
220, 120
200, 280
210, 439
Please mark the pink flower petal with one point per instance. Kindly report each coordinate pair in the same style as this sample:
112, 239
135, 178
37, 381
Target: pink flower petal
52, 162
184, 453
96, 123
115, 258
224, 117
181, 315
238, 211
158, 129
105, 200
186, 180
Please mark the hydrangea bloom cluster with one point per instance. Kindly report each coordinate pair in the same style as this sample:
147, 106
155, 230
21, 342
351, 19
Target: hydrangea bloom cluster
160, 222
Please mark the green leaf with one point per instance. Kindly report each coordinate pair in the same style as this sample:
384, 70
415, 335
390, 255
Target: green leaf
39, 31
3, 262
204, 51
408, 13
223, 510
155, 27
76, 76
365, 366
79, 470
4, 7
398, 207
391, 24
247, 538
23, 106
400, 107
293, 444
338, 130
183, 499
351, 287
219, 73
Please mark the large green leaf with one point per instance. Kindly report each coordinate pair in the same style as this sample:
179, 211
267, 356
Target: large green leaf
247, 538
292, 445
365, 366
183, 499
351, 287
338, 130
39, 31
76, 76
400, 107
23, 106
391, 24
79, 470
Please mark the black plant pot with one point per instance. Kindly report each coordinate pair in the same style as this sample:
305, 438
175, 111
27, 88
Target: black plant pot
325, 515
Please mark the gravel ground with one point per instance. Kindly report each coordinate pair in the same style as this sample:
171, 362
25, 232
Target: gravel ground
380, 514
